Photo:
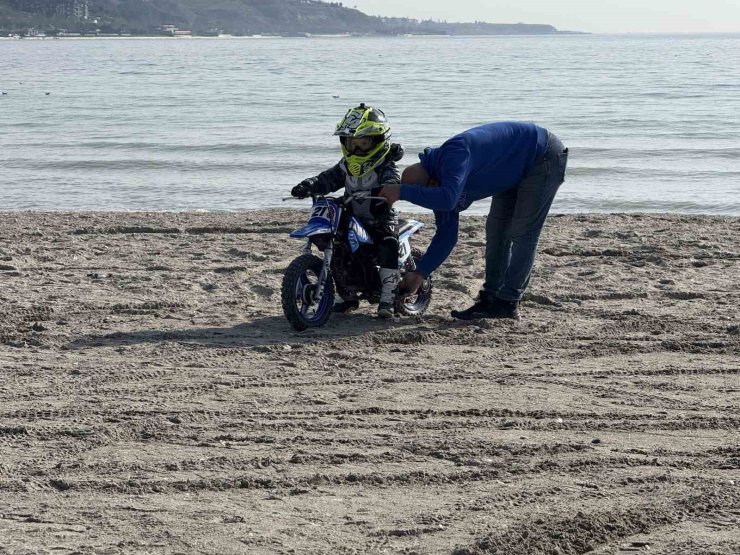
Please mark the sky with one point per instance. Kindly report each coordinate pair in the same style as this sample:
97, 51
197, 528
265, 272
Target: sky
595, 16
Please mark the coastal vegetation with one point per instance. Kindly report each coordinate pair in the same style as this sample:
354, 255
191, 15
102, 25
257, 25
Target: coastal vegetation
235, 17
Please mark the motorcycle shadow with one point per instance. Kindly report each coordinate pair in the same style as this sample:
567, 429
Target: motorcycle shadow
264, 331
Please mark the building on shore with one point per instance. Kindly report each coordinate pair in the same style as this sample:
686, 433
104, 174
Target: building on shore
34, 33
174, 31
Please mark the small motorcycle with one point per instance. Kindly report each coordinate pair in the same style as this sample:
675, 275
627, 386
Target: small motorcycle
349, 264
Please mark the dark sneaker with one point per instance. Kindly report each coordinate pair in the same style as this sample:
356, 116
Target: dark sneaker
385, 310
346, 306
489, 308
481, 309
508, 309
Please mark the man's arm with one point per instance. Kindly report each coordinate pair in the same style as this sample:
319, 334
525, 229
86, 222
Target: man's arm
455, 167
444, 240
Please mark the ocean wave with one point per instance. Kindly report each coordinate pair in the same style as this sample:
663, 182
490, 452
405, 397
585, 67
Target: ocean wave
229, 148
650, 173
671, 95
637, 153
131, 165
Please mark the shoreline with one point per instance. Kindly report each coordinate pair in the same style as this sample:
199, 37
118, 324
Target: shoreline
403, 35
308, 36
149, 373
403, 211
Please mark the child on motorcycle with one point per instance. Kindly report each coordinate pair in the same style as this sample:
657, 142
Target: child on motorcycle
368, 163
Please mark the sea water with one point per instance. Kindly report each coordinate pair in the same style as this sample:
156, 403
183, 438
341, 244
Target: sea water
652, 122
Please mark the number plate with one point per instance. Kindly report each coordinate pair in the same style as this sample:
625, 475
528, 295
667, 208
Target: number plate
322, 211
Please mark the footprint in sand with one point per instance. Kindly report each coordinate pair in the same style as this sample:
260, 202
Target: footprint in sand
263, 291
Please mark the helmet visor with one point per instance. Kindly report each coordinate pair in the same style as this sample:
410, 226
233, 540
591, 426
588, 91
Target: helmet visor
358, 146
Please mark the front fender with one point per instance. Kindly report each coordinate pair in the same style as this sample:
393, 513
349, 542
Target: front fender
310, 229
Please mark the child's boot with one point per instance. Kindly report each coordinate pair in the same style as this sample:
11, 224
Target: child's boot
389, 277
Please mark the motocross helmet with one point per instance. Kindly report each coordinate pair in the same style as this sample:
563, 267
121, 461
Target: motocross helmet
364, 135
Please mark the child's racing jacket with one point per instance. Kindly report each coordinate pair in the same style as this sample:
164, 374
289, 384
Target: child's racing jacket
374, 214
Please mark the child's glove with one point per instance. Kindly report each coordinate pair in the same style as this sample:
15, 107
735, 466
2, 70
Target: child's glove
302, 190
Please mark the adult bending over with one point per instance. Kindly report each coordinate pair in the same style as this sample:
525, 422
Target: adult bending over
520, 166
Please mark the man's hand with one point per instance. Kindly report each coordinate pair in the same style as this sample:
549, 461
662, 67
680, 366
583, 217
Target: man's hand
391, 193
410, 284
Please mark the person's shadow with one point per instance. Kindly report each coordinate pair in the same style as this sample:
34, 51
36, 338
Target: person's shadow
260, 332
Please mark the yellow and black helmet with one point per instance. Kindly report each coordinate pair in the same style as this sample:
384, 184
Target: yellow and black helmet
364, 135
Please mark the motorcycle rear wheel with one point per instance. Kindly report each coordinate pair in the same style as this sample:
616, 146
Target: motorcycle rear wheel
418, 304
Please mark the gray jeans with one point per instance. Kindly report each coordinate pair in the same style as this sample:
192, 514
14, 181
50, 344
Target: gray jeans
515, 222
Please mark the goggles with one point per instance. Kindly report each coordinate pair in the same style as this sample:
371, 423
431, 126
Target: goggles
358, 146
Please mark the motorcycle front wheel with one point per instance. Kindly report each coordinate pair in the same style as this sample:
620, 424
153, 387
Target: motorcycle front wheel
299, 291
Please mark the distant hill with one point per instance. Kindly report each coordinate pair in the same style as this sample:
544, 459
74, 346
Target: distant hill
238, 17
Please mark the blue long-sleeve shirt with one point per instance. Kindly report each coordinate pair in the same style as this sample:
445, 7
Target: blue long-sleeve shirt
471, 166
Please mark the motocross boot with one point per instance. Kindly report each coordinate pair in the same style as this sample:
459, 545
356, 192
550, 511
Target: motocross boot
390, 278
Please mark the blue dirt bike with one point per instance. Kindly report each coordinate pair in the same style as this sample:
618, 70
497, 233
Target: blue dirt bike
349, 264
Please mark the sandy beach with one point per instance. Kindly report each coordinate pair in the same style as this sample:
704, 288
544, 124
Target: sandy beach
153, 399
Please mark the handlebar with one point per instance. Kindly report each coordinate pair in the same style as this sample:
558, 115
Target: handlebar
343, 199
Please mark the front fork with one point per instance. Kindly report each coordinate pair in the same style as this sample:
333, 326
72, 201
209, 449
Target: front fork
325, 269
325, 273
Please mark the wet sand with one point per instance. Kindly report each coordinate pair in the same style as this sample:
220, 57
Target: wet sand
154, 400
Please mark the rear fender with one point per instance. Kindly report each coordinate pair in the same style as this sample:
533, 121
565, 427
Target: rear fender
404, 244
414, 226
